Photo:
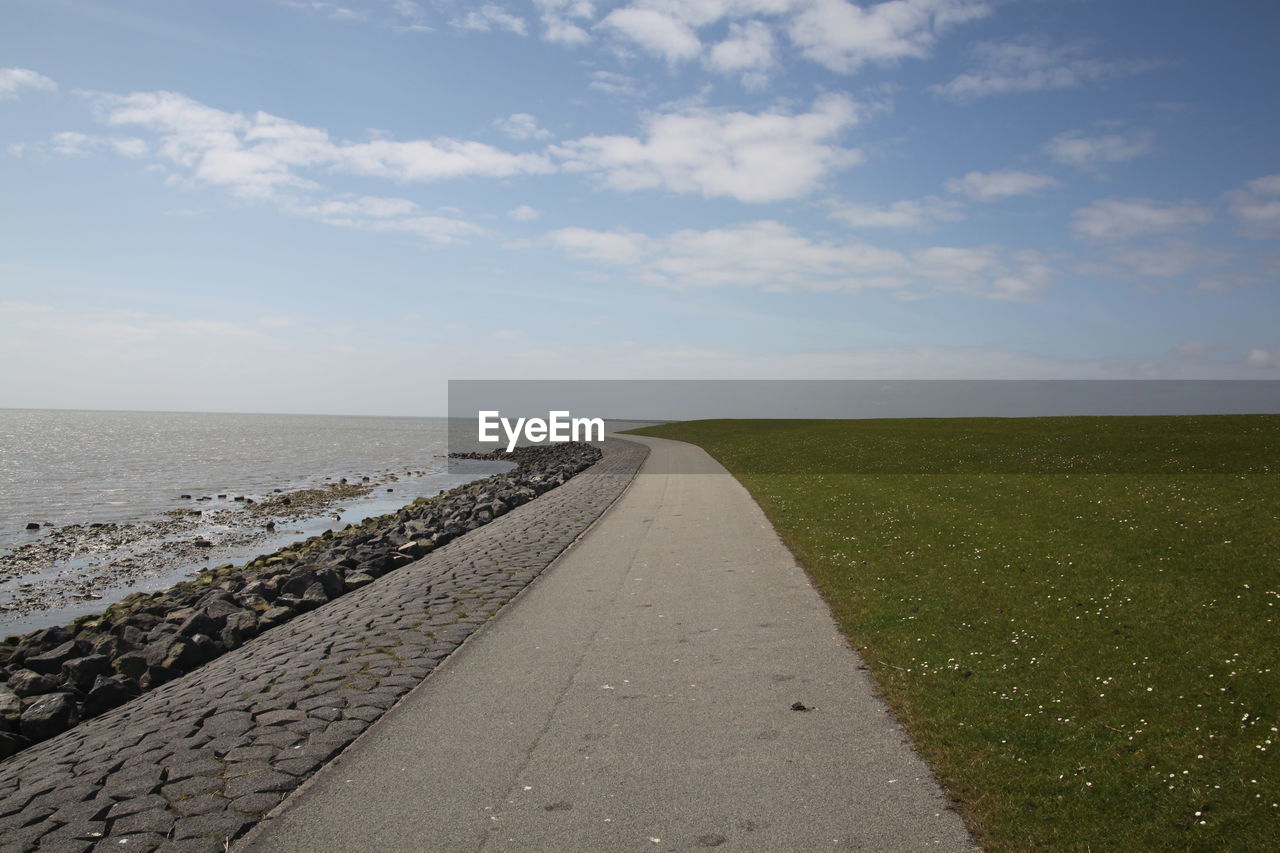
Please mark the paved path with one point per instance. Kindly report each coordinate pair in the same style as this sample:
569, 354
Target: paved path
638, 697
197, 761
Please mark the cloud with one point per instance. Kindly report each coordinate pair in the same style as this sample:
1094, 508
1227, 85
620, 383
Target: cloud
657, 33
748, 51
395, 215
262, 157
1033, 65
524, 213
750, 157
1262, 359
770, 256
521, 126
843, 37
1169, 259
615, 84
1124, 219
915, 215
1089, 152
1257, 205
491, 17
558, 18
991, 186
74, 144
259, 156
14, 80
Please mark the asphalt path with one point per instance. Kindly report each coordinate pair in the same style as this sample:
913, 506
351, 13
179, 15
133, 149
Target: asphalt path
642, 695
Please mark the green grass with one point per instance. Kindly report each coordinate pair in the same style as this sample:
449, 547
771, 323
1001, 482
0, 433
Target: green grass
1075, 618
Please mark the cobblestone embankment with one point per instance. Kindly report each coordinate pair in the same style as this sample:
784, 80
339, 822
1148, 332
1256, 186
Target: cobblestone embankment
195, 762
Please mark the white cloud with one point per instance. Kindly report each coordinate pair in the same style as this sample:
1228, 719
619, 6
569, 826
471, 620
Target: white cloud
770, 256
14, 80
74, 144
1123, 219
373, 213
257, 157
1263, 359
748, 51
558, 20
609, 247
990, 186
1257, 205
261, 156
843, 36
524, 213
751, 157
1089, 152
1033, 65
911, 214
1170, 259
491, 17
613, 83
522, 126
660, 34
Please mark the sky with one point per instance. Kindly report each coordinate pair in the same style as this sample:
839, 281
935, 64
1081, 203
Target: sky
335, 206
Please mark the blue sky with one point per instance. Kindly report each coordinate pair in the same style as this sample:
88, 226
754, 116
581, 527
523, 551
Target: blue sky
313, 206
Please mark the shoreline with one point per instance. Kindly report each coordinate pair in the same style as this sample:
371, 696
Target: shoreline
195, 763
77, 569
60, 675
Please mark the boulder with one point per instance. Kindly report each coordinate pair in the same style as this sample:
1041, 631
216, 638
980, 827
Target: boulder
131, 665
209, 618
355, 580
11, 743
51, 662
240, 627
24, 682
82, 672
10, 704
277, 615
106, 693
49, 715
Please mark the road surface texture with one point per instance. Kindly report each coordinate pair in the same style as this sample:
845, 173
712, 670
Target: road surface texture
639, 697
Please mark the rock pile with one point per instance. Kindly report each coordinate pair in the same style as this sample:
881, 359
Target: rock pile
56, 677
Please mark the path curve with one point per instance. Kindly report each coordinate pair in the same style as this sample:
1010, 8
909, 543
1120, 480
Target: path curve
638, 697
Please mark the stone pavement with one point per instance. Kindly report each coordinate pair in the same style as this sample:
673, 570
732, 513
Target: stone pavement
194, 763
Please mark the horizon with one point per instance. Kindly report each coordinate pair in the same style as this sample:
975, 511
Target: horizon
297, 206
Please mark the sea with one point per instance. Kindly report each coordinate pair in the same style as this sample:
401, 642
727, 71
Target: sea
82, 467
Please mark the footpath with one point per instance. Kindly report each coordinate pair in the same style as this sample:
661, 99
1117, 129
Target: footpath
673, 683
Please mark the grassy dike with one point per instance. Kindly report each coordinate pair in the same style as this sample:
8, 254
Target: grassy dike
1077, 619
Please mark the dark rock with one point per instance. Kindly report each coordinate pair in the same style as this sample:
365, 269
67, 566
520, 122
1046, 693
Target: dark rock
355, 580
107, 692
240, 627
201, 542
81, 672
131, 665
157, 675
10, 704
12, 742
33, 526
276, 616
50, 715
51, 662
24, 682
210, 618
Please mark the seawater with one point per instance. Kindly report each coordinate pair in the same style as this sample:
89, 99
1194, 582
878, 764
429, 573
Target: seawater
80, 467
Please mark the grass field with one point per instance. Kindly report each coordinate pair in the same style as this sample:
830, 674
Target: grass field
1077, 619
